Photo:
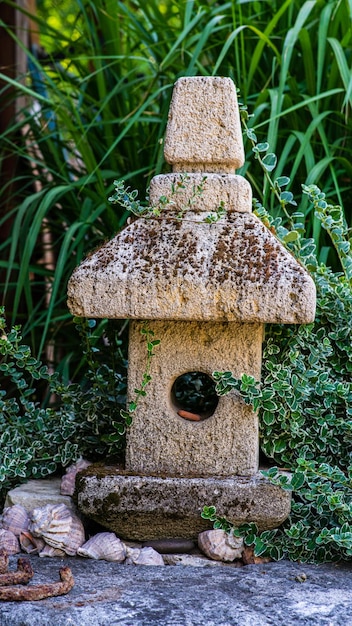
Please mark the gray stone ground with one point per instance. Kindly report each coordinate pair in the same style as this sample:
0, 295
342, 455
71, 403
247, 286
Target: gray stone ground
254, 595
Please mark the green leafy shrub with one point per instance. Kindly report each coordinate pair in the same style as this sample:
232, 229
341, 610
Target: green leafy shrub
319, 527
109, 98
82, 420
305, 403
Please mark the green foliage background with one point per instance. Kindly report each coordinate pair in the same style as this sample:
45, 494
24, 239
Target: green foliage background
96, 109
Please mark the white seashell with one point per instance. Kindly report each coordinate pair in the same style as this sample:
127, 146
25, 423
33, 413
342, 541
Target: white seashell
103, 546
220, 546
58, 526
143, 556
15, 518
50, 551
68, 481
29, 543
9, 542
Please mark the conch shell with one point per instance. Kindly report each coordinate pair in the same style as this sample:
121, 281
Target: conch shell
30, 544
143, 556
15, 518
50, 551
68, 481
220, 545
9, 542
58, 526
103, 546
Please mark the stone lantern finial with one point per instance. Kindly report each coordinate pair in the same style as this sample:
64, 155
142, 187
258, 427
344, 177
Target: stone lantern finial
204, 130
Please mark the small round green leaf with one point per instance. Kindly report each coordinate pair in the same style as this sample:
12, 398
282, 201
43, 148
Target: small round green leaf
270, 161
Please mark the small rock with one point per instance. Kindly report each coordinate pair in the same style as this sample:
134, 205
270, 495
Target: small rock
187, 415
38, 493
301, 578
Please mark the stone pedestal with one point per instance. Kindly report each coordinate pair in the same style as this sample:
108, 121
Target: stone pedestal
142, 508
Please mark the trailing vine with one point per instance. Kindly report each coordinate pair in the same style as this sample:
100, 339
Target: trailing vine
140, 392
128, 199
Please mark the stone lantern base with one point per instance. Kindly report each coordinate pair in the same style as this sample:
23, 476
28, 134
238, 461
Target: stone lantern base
141, 508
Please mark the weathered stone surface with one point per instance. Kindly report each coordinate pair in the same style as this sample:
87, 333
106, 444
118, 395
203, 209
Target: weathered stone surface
234, 270
38, 493
161, 442
193, 560
233, 191
204, 128
141, 508
221, 595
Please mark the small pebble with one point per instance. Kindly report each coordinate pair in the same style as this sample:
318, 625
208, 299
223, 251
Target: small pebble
301, 578
187, 415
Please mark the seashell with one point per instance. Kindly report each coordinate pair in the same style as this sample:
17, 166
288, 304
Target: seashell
50, 551
103, 546
220, 546
68, 481
58, 526
143, 556
15, 518
30, 544
9, 542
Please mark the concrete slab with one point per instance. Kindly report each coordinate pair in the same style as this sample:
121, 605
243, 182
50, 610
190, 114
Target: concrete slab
255, 595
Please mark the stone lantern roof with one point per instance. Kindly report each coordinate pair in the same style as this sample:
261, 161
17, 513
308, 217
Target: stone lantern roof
174, 268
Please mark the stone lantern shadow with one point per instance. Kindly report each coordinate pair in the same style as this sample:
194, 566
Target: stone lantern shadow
206, 291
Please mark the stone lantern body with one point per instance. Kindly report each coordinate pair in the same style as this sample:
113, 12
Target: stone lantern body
206, 289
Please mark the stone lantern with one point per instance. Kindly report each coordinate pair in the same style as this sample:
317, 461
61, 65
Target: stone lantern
206, 290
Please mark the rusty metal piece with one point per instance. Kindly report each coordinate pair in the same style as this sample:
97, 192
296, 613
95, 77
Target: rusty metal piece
39, 592
23, 574
4, 561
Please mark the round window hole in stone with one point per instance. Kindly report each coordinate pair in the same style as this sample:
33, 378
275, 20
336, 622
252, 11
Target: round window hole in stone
194, 396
